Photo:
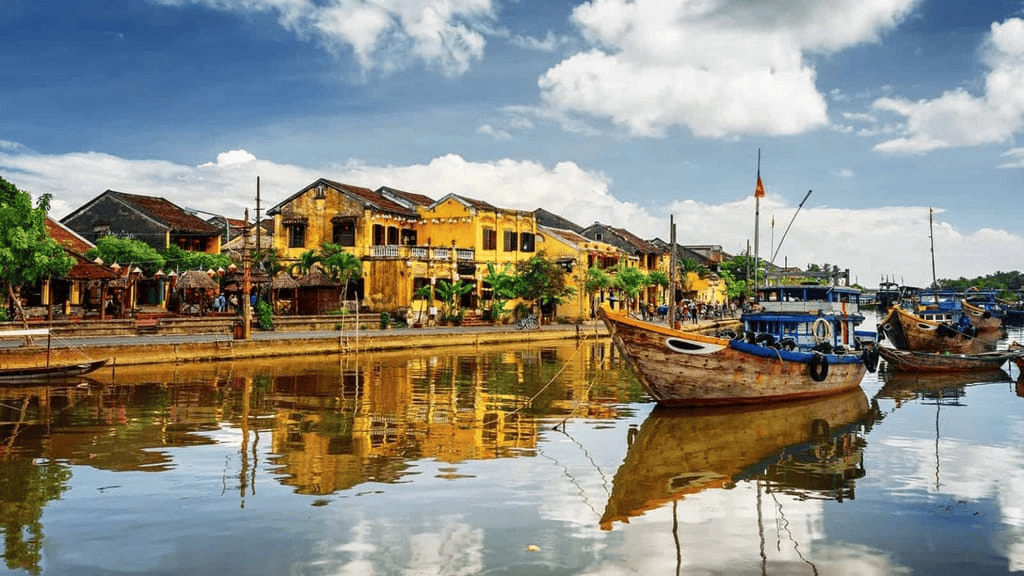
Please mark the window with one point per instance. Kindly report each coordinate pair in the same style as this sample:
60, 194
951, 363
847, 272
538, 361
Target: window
321, 192
417, 285
378, 235
344, 233
392, 235
297, 236
408, 237
526, 241
490, 239
510, 240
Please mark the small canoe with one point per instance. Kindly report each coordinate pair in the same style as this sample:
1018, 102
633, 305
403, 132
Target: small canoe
908, 361
57, 372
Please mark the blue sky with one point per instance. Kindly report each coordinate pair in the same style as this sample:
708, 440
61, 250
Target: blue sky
611, 110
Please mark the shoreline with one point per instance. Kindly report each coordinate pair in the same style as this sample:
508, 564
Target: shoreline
175, 349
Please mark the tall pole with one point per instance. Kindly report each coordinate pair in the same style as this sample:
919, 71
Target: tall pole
259, 224
758, 192
672, 272
246, 286
931, 237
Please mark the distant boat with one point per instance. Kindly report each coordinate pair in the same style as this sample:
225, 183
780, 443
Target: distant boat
908, 331
46, 373
809, 447
689, 369
908, 361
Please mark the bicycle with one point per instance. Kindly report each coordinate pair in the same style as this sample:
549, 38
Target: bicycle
529, 322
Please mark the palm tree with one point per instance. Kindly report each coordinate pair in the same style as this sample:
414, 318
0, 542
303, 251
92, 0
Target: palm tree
307, 260
341, 266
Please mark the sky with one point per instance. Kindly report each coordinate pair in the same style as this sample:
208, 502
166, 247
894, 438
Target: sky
625, 112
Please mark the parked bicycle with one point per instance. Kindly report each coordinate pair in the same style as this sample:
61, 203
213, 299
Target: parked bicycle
529, 322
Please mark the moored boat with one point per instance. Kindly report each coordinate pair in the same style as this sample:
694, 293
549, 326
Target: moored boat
49, 372
908, 331
910, 361
687, 369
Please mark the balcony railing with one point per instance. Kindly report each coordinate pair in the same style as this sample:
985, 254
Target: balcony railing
396, 252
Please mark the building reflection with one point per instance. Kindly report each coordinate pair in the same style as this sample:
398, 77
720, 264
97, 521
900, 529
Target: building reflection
332, 422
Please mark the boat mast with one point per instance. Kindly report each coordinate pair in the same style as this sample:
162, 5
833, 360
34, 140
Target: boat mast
931, 237
758, 193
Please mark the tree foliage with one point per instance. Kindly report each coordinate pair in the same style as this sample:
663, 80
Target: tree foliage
341, 266
27, 253
542, 280
127, 252
182, 260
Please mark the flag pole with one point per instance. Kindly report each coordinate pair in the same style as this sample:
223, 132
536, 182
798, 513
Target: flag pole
758, 192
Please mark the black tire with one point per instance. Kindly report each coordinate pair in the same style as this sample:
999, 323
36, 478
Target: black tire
817, 367
787, 344
870, 358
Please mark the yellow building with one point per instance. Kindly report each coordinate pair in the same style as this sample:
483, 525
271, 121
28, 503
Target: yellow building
577, 254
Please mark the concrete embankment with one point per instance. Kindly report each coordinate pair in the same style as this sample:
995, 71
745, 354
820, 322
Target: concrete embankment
145, 349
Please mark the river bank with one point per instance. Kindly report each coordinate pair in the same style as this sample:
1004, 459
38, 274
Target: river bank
124, 350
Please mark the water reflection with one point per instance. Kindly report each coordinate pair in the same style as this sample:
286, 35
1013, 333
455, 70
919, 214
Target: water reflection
810, 449
331, 423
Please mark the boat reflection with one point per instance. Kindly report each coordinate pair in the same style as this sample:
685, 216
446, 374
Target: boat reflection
948, 386
811, 449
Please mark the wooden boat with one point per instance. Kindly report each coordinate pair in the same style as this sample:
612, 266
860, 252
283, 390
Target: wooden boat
807, 446
910, 361
48, 372
980, 317
908, 331
1019, 360
686, 369
36, 374
904, 386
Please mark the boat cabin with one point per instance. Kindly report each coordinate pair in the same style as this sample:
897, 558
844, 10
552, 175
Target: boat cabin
807, 316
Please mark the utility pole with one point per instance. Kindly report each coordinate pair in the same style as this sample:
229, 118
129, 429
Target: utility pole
246, 286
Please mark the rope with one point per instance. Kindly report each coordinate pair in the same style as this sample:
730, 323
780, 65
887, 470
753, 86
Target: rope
542, 389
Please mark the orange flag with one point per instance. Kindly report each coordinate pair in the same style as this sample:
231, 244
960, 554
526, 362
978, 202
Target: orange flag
759, 191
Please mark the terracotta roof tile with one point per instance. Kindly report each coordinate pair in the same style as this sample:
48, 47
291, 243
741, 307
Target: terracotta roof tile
169, 214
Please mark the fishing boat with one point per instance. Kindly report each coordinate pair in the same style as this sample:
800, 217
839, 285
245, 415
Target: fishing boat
49, 371
910, 361
907, 331
808, 446
690, 369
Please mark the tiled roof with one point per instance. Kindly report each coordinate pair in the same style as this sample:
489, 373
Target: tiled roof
161, 210
374, 199
85, 269
411, 197
71, 241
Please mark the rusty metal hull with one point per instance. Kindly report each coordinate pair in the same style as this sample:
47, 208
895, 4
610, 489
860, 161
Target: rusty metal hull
686, 369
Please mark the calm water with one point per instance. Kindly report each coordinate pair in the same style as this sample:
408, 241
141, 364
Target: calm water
518, 460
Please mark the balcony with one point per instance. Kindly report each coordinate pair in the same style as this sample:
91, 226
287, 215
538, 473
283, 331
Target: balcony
424, 253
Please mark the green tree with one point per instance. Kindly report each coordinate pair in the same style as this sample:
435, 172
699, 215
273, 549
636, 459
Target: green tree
543, 281
503, 288
341, 266
127, 252
177, 259
630, 281
27, 253
450, 296
305, 264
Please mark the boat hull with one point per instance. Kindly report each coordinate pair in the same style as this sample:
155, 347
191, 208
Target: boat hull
908, 361
907, 331
688, 369
36, 374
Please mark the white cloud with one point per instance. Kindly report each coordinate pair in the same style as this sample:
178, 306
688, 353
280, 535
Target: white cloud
886, 241
1016, 156
719, 68
382, 34
958, 118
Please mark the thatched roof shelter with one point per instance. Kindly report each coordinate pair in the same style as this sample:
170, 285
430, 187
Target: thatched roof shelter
316, 279
283, 281
196, 280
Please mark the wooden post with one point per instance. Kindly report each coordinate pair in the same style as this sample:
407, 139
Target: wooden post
246, 286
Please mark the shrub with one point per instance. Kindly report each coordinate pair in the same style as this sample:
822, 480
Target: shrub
264, 315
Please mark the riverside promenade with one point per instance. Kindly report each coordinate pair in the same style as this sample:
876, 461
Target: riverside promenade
177, 348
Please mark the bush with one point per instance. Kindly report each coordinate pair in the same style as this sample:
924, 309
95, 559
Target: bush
264, 315
385, 320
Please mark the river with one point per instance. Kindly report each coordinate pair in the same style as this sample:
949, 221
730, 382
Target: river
523, 459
